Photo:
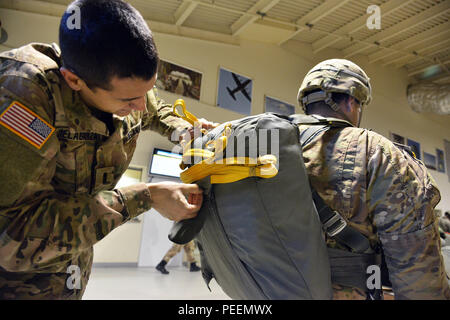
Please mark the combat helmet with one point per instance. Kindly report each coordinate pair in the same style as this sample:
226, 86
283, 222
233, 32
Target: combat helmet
334, 75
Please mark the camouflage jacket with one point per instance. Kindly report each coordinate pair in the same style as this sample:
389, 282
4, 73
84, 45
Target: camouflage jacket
387, 194
58, 168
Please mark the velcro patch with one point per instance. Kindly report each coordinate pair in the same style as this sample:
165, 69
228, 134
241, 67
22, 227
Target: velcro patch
26, 124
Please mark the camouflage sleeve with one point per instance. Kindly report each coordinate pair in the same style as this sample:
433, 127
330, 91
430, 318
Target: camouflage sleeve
39, 227
160, 118
401, 198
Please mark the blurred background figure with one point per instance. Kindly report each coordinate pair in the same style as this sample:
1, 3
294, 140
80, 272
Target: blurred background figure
444, 228
444, 222
188, 248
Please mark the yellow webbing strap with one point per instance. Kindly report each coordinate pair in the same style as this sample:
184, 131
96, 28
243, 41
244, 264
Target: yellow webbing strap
231, 169
192, 119
221, 170
186, 115
217, 145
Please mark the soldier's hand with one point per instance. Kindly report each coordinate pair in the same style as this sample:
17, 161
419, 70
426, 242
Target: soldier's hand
195, 130
208, 125
176, 201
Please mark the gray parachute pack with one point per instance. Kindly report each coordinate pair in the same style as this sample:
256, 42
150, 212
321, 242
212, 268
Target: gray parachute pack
262, 238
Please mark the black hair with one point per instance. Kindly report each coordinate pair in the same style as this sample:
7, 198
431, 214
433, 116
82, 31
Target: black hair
111, 39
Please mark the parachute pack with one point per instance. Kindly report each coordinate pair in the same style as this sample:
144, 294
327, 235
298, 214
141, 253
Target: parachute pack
261, 229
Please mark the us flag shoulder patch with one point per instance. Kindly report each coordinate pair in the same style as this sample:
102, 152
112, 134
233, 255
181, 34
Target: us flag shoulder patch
26, 124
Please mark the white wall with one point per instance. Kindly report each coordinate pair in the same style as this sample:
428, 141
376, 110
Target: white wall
278, 72
275, 71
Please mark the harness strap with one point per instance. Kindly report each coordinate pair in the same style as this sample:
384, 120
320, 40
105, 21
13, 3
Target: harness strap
333, 223
231, 169
348, 268
336, 227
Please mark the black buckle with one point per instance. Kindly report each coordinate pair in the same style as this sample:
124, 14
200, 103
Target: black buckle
334, 225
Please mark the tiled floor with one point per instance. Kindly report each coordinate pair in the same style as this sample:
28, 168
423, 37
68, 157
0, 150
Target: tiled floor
112, 283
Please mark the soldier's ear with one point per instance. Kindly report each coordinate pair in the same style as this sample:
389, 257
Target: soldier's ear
74, 82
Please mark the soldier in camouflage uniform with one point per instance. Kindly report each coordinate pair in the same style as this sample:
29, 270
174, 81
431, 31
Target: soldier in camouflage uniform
188, 248
69, 123
381, 190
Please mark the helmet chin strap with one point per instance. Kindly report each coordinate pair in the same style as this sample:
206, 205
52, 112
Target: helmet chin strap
360, 111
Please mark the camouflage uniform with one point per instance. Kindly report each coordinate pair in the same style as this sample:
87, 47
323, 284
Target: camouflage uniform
188, 248
387, 195
57, 197
382, 191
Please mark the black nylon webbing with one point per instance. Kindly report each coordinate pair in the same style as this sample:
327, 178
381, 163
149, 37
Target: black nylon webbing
349, 237
350, 269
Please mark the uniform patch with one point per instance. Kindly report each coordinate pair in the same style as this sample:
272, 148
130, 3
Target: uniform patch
26, 124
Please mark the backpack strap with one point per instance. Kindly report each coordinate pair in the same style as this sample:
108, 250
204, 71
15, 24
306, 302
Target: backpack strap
316, 119
333, 224
347, 267
337, 228
318, 124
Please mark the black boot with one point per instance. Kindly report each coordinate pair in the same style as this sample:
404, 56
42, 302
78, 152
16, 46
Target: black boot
194, 267
161, 267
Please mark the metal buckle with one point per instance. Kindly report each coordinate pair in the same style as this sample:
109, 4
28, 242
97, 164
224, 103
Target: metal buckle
334, 225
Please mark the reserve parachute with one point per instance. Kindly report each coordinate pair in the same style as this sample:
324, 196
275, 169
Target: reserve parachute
258, 231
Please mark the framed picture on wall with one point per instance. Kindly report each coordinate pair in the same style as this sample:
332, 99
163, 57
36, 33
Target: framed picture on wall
429, 160
234, 92
278, 106
415, 147
179, 80
440, 160
397, 138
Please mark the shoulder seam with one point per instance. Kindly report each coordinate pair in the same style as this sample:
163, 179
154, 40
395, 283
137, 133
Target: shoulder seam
39, 85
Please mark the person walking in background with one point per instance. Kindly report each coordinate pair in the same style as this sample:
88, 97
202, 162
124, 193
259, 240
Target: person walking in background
188, 248
444, 222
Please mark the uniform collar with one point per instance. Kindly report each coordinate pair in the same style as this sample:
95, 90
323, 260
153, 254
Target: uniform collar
82, 118
332, 119
78, 114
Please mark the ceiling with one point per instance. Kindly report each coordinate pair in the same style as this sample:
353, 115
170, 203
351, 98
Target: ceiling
414, 34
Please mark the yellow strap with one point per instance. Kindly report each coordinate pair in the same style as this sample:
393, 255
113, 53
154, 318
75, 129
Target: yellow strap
189, 117
232, 169
221, 170
191, 156
217, 146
